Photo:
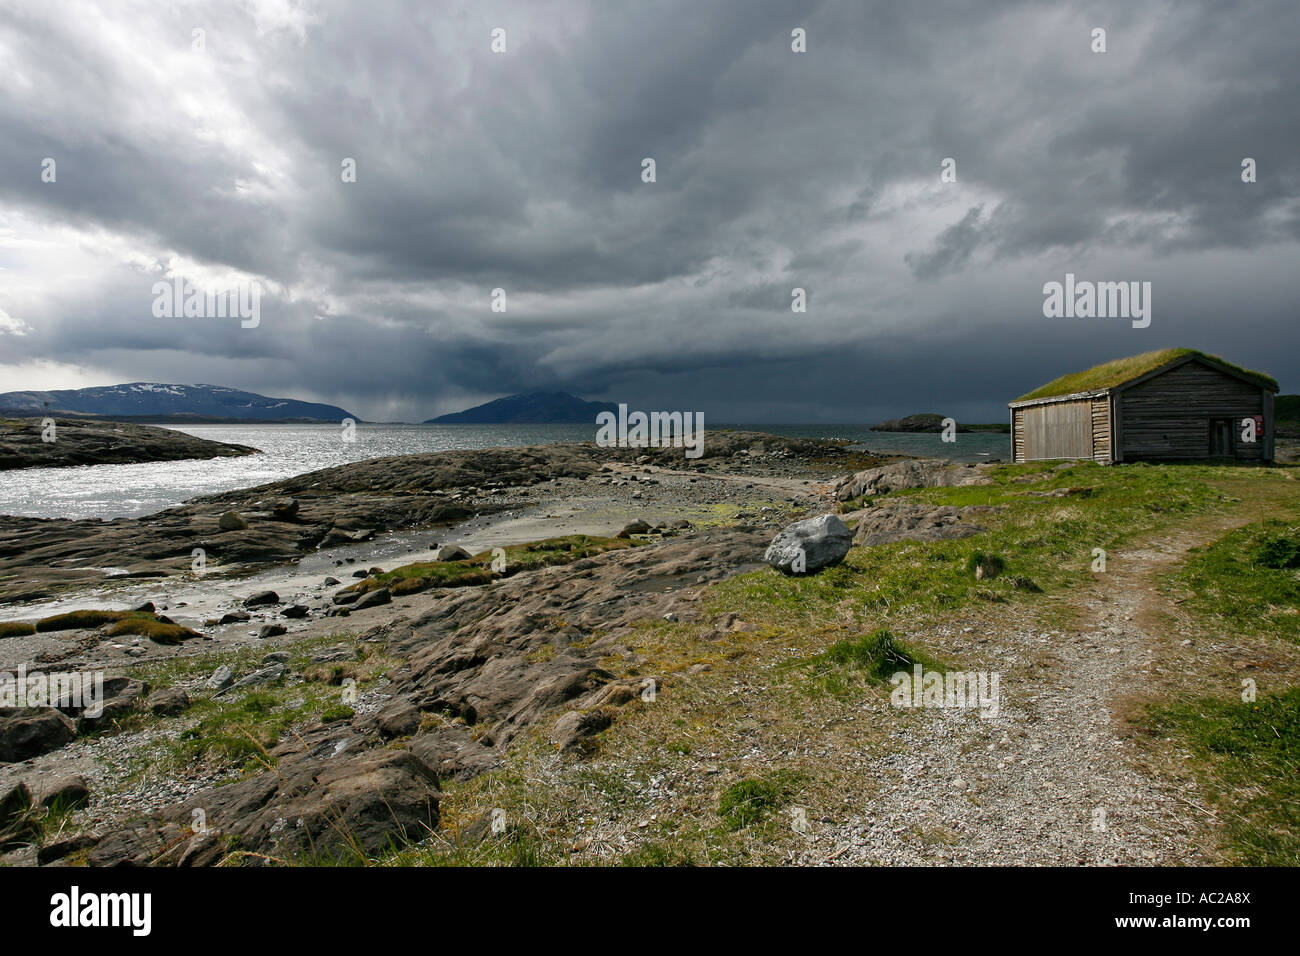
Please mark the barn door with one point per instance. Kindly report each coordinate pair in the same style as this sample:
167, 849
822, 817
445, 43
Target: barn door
1221, 444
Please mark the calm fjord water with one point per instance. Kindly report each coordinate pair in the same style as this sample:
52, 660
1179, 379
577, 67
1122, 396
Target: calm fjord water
111, 491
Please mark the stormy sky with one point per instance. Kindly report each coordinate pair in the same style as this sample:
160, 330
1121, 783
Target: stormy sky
216, 156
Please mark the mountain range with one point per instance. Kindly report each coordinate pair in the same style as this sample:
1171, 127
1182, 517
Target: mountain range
550, 408
152, 401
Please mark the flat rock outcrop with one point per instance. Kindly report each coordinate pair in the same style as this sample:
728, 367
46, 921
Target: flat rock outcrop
23, 444
911, 473
900, 520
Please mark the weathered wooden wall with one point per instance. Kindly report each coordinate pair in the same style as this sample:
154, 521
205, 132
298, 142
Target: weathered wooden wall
1054, 430
1101, 440
1169, 416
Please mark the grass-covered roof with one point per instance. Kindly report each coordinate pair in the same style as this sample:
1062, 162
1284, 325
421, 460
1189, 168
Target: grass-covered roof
1121, 370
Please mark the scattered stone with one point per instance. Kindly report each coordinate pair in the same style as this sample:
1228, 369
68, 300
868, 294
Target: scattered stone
27, 732
231, 521
65, 848
67, 794
373, 599
267, 675
261, 598
234, 617
573, 728
271, 630
451, 552
221, 678
168, 702
331, 582
295, 611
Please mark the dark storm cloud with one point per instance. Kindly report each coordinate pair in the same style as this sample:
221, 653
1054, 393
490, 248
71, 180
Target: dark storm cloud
522, 171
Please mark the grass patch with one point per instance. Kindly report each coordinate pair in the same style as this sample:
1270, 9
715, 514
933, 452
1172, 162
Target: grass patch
1248, 757
82, 620
422, 575
115, 623
1247, 579
748, 801
160, 632
842, 669
17, 628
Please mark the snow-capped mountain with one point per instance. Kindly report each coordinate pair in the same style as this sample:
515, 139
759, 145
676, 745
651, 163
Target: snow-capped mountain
157, 401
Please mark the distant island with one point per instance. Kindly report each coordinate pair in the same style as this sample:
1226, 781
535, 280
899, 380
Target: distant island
548, 408
928, 422
155, 402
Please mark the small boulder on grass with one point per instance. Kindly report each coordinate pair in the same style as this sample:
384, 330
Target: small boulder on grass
809, 545
168, 701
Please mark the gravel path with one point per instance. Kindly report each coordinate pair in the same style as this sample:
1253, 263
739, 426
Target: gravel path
1051, 780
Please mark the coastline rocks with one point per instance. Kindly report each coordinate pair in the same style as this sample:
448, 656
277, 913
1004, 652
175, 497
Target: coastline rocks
121, 695
271, 630
573, 728
278, 509
234, 617
168, 702
373, 599
27, 732
267, 675
261, 598
451, 552
295, 611
232, 521
809, 545
902, 520
327, 800
912, 473
634, 527
16, 826
95, 442
67, 793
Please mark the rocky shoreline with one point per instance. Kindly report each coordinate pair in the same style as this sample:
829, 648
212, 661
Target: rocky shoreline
472, 658
28, 443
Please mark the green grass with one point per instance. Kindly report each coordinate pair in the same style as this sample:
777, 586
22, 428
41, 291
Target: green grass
1045, 545
1248, 757
1247, 580
845, 666
749, 801
421, 575
160, 632
1118, 371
